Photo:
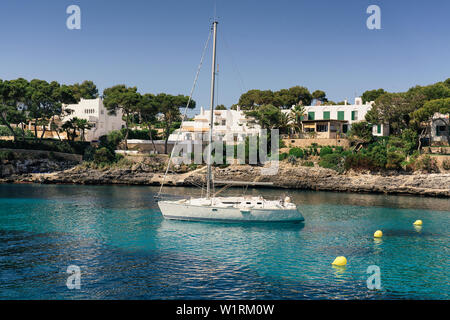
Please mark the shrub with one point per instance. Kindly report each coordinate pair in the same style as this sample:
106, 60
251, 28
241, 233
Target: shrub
119, 157
313, 149
409, 163
325, 150
7, 155
332, 161
427, 164
5, 132
89, 153
292, 159
409, 140
140, 134
446, 164
77, 147
339, 149
103, 156
375, 156
307, 164
362, 130
395, 158
282, 156
111, 140
359, 161
297, 152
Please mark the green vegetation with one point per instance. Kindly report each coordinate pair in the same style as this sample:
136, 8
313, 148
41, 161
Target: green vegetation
297, 153
307, 164
411, 109
409, 115
426, 164
283, 156
7, 155
292, 159
103, 155
361, 132
372, 95
446, 164
5, 132
325, 150
319, 95
76, 147
40, 102
284, 98
332, 161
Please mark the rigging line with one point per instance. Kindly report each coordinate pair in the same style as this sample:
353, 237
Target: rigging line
185, 110
217, 85
233, 63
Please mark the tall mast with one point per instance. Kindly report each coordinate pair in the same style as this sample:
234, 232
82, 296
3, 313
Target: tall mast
211, 122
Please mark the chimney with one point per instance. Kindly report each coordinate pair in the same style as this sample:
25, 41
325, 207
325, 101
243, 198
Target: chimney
238, 108
202, 111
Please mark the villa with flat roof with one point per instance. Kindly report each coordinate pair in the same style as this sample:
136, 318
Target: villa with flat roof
92, 110
231, 126
321, 122
343, 115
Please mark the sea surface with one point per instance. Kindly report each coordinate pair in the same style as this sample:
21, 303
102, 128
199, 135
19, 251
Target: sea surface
126, 250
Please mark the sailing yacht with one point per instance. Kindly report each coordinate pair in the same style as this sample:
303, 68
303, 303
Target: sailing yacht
227, 209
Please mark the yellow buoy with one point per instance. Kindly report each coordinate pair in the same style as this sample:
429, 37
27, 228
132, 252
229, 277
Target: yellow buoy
378, 234
340, 261
418, 223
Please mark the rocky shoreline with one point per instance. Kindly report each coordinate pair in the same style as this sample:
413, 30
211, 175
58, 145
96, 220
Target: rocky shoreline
288, 176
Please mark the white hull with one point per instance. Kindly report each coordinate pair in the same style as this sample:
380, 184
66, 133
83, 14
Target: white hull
188, 212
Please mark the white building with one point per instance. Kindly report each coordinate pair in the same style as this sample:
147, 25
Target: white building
440, 128
233, 126
230, 126
348, 112
94, 111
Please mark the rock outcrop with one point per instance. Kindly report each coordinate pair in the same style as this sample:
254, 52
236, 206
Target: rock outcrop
288, 176
18, 168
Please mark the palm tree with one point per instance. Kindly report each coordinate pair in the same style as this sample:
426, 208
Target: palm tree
70, 128
285, 122
82, 125
55, 127
298, 113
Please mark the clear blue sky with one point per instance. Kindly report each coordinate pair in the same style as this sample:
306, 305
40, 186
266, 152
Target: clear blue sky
156, 45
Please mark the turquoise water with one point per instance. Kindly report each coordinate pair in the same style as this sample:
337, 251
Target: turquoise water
126, 250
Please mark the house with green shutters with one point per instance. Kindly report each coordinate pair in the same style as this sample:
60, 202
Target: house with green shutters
338, 119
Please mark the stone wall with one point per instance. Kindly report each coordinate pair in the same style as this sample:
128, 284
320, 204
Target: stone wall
303, 143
